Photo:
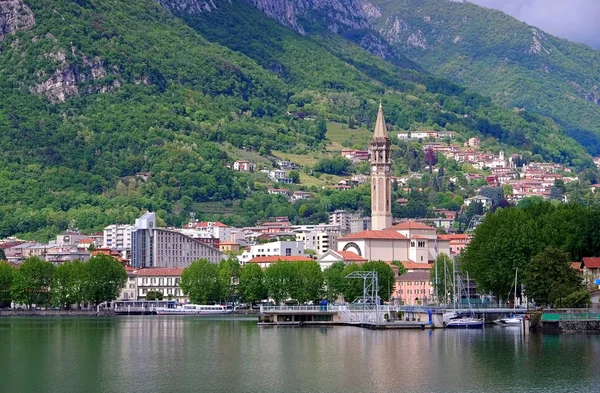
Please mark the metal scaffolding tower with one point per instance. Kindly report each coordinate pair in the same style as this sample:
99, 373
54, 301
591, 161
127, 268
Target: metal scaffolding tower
370, 296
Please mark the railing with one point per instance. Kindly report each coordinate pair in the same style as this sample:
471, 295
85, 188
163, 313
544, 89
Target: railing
555, 317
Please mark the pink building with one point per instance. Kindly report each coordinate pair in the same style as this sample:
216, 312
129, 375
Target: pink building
413, 288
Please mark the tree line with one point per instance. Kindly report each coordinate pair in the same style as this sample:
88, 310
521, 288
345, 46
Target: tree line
41, 283
539, 239
300, 282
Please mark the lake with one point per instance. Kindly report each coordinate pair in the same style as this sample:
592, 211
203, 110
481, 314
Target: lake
177, 354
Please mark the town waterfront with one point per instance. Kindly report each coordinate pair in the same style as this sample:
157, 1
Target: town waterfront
189, 354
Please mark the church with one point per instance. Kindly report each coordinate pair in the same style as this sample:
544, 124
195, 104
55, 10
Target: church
413, 243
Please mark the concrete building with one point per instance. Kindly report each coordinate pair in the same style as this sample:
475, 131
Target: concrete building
142, 241
69, 238
318, 241
265, 262
359, 224
273, 249
342, 219
205, 229
172, 249
381, 188
159, 280
117, 236
244, 166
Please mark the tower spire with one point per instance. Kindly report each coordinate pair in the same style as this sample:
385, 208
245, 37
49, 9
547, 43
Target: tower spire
380, 128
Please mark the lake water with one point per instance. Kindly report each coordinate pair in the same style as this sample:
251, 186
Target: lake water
188, 354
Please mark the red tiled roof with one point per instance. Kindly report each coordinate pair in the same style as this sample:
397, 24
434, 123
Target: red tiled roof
412, 225
280, 258
372, 234
409, 265
214, 224
454, 237
576, 265
591, 262
229, 244
158, 271
418, 237
86, 241
350, 256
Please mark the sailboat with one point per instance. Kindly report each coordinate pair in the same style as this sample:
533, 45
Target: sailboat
514, 319
456, 320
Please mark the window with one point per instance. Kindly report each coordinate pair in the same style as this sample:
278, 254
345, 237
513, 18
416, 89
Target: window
288, 251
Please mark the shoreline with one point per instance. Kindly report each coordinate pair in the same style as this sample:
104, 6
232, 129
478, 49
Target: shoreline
82, 313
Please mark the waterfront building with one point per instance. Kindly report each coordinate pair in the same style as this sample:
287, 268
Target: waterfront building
117, 236
413, 288
381, 189
274, 249
158, 247
162, 280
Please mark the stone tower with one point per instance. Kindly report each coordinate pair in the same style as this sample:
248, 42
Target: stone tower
381, 188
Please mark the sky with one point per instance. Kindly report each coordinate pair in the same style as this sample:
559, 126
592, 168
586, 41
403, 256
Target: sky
575, 20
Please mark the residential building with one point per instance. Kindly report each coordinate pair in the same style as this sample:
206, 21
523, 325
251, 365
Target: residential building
413, 288
359, 224
265, 262
276, 249
300, 195
483, 200
129, 291
287, 165
473, 142
278, 191
280, 176
590, 267
318, 241
204, 229
229, 247
244, 166
163, 280
341, 218
172, 249
60, 255
69, 238
117, 236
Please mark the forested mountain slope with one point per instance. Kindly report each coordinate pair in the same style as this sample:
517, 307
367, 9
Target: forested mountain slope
94, 91
518, 65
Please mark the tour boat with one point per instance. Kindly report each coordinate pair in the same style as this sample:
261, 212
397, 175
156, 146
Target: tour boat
194, 309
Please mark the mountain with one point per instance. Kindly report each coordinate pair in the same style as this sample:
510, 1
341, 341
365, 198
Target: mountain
519, 66
93, 92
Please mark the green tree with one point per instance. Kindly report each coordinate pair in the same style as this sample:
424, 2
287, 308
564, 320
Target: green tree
295, 176
154, 295
2, 255
6, 279
68, 283
252, 283
32, 282
229, 276
549, 278
104, 279
353, 288
200, 282
334, 281
445, 282
308, 281
385, 277
279, 279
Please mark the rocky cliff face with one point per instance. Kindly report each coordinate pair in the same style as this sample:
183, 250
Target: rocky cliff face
15, 16
338, 16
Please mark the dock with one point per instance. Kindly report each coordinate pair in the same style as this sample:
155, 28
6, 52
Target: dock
370, 317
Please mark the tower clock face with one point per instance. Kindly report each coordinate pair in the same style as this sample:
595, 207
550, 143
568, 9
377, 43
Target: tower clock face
374, 168
387, 168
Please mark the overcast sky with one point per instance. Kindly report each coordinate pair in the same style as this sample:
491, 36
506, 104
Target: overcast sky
575, 20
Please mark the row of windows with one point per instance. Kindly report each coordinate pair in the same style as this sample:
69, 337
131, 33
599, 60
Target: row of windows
165, 291
411, 291
160, 281
411, 282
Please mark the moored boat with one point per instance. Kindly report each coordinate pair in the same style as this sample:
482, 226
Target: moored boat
194, 309
457, 321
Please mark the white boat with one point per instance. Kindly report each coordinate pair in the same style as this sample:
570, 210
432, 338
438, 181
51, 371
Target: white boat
455, 321
194, 309
513, 320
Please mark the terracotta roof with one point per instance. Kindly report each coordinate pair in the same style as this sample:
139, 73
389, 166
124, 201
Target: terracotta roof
86, 241
372, 234
229, 244
419, 237
214, 224
576, 265
454, 237
158, 271
591, 262
280, 258
410, 265
413, 225
350, 256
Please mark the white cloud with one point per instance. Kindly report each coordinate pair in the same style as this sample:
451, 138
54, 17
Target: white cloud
575, 20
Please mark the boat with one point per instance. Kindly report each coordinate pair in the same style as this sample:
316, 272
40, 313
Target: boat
513, 320
194, 309
457, 321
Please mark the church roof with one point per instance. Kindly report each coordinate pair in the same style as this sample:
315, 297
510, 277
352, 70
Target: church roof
380, 128
372, 234
412, 225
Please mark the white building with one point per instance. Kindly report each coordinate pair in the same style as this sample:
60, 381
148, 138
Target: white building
117, 236
279, 176
244, 166
159, 280
318, 241
485, 201
279, 248
215, 229
69, 238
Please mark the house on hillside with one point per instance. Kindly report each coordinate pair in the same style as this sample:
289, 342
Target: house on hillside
244, 166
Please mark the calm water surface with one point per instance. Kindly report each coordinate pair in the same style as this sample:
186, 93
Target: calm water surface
188, 354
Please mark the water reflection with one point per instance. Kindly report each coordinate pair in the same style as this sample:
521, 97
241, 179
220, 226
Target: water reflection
186, 354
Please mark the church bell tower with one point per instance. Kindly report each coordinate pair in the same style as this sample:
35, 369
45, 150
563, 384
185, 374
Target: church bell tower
381, 189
